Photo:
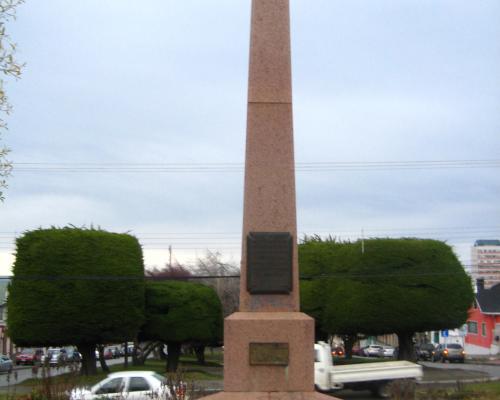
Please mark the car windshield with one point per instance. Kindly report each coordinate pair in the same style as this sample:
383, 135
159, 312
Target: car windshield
428, 346
161, 378
454, 346
27, 351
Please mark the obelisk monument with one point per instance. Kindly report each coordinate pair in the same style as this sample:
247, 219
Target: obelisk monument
268, 345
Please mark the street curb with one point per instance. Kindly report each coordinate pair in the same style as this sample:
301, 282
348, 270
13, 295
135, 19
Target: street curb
454, 382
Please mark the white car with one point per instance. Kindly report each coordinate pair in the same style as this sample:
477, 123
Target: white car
130, 385
373, 350
389, 351
57, 357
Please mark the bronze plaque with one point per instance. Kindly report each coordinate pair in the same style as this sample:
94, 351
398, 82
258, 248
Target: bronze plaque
269, 354
269, 262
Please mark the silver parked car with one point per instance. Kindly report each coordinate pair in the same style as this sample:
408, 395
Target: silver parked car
389, 351
373, 350
57, 357
449, 352
6, 364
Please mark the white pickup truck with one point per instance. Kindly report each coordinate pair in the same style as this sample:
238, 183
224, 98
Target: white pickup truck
374, 376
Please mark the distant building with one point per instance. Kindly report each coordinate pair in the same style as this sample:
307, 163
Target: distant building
6, 345
483, 324
485, 257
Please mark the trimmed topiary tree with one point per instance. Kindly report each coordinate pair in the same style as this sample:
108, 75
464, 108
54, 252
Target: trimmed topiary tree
181, 312
76, 287
397, 286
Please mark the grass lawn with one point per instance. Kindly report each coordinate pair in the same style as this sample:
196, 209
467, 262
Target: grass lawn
492, 388
475, 391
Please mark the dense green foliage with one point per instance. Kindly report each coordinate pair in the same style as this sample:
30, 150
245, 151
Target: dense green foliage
76, 287
395, 286
181, 312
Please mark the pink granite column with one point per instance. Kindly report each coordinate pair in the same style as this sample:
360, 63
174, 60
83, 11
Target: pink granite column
269, 202
268, 345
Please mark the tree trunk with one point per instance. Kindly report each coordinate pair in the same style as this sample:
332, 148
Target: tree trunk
136, 360
406, 349
174, 352
125, 362
158, 353
349, 341
88, 359
200, 353
102, 361
141, 354
161, 353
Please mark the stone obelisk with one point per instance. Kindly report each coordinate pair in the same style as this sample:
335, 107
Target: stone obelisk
268, 345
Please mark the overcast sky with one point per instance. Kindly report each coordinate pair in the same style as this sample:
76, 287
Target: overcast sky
386, 95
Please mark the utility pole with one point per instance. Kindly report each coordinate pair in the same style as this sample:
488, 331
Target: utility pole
362, 241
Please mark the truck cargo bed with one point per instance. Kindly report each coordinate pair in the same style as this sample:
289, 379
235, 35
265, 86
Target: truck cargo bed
377, 371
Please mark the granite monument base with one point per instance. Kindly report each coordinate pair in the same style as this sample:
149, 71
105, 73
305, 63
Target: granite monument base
268, 356
243, 330
269, 396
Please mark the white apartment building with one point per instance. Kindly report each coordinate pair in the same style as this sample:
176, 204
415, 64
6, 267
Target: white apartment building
485, 257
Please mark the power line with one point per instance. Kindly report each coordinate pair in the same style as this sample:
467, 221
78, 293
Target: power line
172, 235
338, 275
231, 241
202, 245
126, 167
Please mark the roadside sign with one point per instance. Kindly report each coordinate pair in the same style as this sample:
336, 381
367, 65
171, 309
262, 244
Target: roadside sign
444, 333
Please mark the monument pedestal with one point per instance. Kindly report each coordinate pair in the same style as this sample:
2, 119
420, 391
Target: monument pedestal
242, 329
250, 373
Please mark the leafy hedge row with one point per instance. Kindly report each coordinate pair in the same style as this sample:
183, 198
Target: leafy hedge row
73, 286
383, 286
182, 312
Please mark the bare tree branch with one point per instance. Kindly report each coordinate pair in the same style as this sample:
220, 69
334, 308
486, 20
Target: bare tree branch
10, 67
227, 287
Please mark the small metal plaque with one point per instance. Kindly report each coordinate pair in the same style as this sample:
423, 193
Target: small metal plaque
269, 262
269, 354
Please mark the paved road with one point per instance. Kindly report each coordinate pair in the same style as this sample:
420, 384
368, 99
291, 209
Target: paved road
491, 370
21, 373
444, 373
436, 374
433, 372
